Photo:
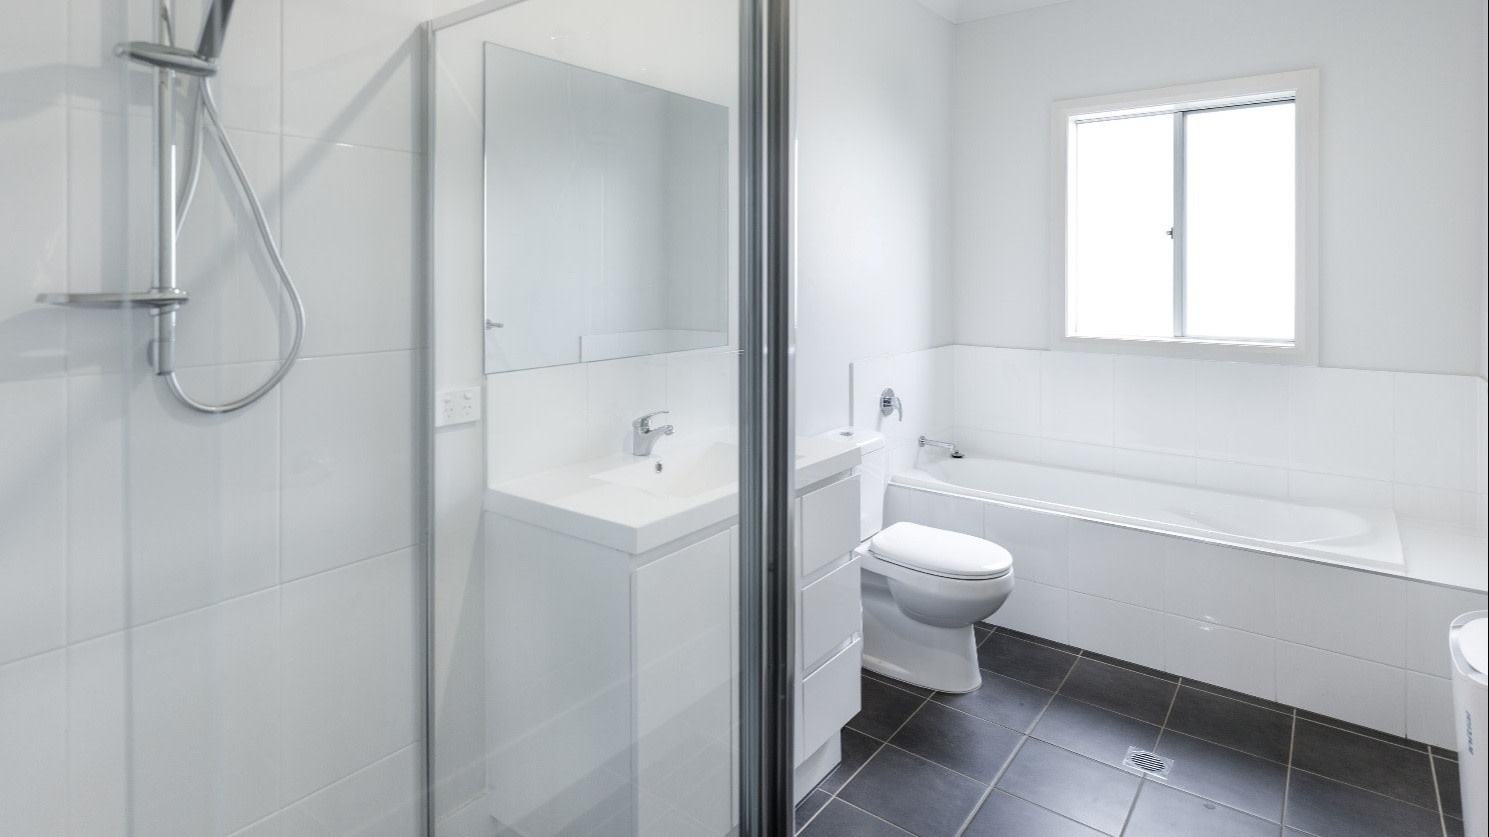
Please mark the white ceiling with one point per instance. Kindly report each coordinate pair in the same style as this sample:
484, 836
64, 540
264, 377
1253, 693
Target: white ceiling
963, 11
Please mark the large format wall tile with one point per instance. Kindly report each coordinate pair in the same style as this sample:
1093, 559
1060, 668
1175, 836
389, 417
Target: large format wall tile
1118, 563
353, 71
33, 234
33, 533
358, 263
348, 487
1117, 629
1221, 585
1075, 396
350, 680
1342, 610
1347, 688
33, 745
1340, 422
1155, 404
1226, 657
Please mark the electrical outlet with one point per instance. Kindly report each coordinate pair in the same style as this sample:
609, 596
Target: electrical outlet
457, 406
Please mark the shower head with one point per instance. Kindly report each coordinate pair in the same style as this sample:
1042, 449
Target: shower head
214, 30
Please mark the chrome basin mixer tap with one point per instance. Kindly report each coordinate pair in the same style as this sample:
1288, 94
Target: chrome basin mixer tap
644, 437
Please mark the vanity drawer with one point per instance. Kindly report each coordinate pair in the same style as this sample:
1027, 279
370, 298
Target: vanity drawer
828, 524
831, 610
830, 696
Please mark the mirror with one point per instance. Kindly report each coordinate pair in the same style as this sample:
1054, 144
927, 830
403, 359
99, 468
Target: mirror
607, 224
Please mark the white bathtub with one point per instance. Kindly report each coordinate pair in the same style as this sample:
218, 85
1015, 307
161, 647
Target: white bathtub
1363, 538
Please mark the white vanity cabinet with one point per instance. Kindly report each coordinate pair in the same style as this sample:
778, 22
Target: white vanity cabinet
612, 685
829, 624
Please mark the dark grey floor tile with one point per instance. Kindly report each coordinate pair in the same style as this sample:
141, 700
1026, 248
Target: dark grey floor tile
1030, 662
1074, 786
968, 745
1003, 700
1448, 788
1230, 777
808, 807
1059, 646
842, 820
1327, 808
924, 798
1003, 815
1120, 690
1164, 812
857, 748
884, 709
1444, 753
981, 630
1369, 763
1452, 826
1366, 731
1092, 732
1235, 695
1243, 726
1131, 666
899, 684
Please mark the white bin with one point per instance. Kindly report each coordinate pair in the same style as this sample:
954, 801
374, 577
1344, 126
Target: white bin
1471, 705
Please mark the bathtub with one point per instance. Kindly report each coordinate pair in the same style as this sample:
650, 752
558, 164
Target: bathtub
1360, 538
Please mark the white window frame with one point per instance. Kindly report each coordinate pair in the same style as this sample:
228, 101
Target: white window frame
1302, 87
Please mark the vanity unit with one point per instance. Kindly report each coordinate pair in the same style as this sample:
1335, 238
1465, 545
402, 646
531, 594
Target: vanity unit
612, 636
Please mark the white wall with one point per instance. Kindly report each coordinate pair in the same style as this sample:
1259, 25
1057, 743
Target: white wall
873, 196
226, 610
1403, 138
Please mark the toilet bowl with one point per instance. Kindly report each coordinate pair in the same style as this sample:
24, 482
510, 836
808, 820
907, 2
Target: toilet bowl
923, 589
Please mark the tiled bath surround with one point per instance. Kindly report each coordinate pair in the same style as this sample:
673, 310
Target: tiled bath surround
1364, 647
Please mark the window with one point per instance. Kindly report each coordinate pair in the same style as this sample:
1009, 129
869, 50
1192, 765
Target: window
1186, 219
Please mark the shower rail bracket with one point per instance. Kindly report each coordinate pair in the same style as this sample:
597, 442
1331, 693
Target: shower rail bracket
155, 299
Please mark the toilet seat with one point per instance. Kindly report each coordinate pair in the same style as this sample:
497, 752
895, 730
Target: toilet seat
937, 552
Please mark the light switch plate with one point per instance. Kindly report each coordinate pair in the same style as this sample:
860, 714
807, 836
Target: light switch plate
457, 406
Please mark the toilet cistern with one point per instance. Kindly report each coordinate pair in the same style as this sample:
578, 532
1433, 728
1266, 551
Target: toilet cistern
932, 443
644, 437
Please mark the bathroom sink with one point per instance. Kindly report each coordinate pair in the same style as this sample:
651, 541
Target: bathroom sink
686, 472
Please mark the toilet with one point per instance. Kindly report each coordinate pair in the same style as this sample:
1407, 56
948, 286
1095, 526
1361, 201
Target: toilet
923, 590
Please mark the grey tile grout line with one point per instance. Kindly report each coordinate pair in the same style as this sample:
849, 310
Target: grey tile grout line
1442, 821
1142, 781
882, 744
1287, 784
971, 815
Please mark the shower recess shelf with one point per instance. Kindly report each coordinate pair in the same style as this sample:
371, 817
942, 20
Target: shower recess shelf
112, 299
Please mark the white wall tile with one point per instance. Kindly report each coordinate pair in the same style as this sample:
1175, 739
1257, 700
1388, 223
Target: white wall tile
1125, 631
1341, 421
97, 738
1434, 425
247, 84
33, 732
897, 501
1154, 404
1429, 611
1443, 505
1077, 455
347, 469
351, 670
1007, 395
35, 35
966, 384
997, 445
1037, 609
358, 263
1039, 543
619, 392
1241, 413
913, 378
1075, 397
96, 78
1117, 563
1234, 659
535, 420
33, 526
353, 71
1342, 687
1159, 467
1336, 490
703, 391
944, 511
33, 230
1342, 610
205, 718
1221, 586
380, 800
1429, 710
1240, 478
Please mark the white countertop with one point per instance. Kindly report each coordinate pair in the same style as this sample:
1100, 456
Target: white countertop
572, 500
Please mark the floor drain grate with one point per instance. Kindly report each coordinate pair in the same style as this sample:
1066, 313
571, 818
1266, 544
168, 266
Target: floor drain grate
1148, 762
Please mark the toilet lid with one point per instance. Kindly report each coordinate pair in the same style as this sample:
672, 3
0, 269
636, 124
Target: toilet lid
1473, 641
939, 552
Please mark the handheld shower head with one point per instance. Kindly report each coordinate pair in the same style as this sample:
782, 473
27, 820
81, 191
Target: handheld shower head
214, 30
